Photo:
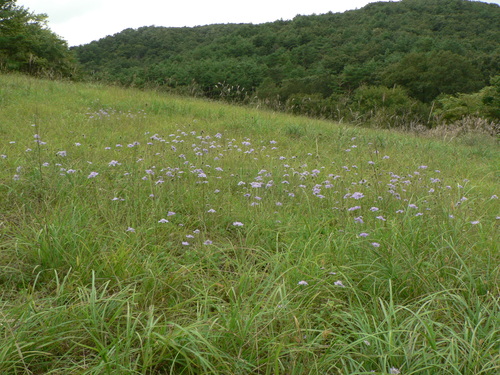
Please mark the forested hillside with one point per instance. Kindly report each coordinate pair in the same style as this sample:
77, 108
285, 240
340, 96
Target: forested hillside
395, 56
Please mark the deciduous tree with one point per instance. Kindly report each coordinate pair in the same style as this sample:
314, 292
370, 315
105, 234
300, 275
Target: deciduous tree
27, 45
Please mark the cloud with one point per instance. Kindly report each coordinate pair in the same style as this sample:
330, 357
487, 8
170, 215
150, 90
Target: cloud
60, 11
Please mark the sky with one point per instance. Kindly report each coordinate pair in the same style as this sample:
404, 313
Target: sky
82, 21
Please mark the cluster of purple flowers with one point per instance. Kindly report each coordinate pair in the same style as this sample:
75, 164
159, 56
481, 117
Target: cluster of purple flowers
292, 180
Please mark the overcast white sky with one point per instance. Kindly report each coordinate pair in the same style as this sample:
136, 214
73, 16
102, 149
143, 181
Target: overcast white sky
82, 21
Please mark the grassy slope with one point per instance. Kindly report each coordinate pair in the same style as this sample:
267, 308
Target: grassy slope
83, 293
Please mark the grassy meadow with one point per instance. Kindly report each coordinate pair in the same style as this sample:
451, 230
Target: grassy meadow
142, 233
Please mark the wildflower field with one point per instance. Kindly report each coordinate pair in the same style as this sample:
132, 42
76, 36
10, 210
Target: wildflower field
142, 233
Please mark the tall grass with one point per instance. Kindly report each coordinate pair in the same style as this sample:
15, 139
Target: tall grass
150, 234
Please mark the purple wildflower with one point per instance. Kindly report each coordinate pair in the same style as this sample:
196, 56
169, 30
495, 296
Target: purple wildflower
357, 195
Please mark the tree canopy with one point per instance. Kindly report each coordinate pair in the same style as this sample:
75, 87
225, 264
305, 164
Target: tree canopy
27, 45
429, 47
